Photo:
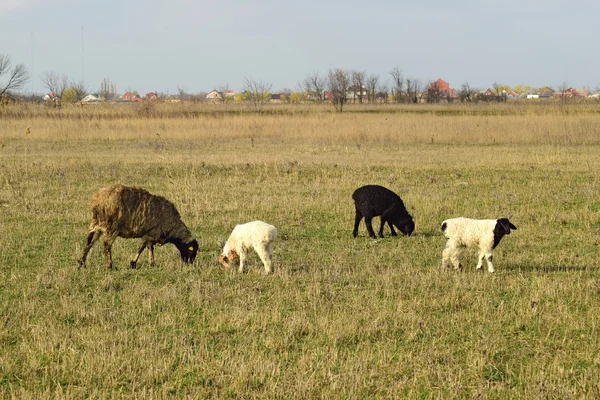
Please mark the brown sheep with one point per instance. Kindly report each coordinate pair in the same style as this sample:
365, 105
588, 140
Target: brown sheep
131, 212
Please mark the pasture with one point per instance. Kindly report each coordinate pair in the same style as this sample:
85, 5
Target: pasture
340, 317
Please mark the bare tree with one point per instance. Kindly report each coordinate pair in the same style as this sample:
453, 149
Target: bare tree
17, 76
224, 91
466, 93
500, 94
338, 82
256, 93
372, 83
55, 83
413, 89
314, 85
397, 84
181, 94
434, 93
80, 90
383, 92
359, 79
108, 90
563, 88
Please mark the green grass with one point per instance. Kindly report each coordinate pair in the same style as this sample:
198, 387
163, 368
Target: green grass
341, 317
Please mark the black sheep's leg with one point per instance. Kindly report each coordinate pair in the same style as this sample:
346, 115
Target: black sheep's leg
368, 219
392, 229
383, 221
385, 217
357, 223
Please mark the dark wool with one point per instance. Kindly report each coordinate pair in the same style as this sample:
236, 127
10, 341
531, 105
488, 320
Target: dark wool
372, 201
131, 212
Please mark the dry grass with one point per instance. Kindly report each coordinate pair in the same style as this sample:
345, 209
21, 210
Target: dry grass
341, 317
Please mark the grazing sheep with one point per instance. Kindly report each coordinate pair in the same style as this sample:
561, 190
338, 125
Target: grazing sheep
131, 212
257, 235
374, 200
467, 232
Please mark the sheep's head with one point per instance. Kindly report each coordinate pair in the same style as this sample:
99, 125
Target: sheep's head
225, 259
406, 226
188, 250
503, 226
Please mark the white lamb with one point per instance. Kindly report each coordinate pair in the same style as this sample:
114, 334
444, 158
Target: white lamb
257, 235
466, 232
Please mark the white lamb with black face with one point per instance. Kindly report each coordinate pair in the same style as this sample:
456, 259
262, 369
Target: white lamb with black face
467, 232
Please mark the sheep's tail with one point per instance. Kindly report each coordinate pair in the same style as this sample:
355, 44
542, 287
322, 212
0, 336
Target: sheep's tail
444, 226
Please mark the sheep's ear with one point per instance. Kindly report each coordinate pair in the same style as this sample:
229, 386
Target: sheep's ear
506, 224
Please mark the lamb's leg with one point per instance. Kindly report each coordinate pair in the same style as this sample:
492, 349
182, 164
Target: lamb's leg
265, 256
357, 219
446, 258
133, 262
368, 219
480, 259
489, 259
450, 256
93, 236
242, 260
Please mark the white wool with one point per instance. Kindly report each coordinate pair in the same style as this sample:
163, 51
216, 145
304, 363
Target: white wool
255, 235
468, 232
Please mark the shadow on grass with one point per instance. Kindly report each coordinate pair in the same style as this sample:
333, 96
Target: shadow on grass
546, 268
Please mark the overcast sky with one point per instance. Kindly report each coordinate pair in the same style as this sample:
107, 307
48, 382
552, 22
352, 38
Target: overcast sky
198, 45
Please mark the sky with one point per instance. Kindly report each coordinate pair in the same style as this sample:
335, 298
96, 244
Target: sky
198, 45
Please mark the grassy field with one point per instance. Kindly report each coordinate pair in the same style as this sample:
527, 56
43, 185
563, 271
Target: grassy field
341, 317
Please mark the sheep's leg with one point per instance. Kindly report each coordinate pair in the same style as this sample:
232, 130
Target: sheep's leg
242, 260
92, 238
357, 222
368, 219
265, 255
489, 259
384, 219
381, 226
480, 259
450, 256
133, 262
392, 229
151, 254
108, 242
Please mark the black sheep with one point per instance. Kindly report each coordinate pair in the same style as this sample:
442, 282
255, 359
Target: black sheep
374, 200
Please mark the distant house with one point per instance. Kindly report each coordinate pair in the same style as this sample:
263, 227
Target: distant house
442, 89
214, 95
91, 98
130, 96
278, 97
355, 92
228, 93
571, 93
151, 96
51, 97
